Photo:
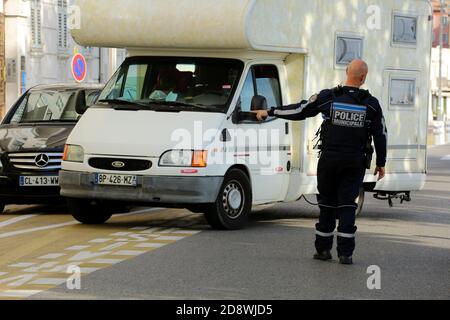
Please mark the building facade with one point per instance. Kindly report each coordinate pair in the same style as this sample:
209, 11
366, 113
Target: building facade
2, 59
39, 48
435, 65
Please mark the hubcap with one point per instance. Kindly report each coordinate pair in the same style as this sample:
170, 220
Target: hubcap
233, 200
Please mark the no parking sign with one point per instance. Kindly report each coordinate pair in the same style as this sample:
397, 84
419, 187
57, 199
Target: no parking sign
79, 67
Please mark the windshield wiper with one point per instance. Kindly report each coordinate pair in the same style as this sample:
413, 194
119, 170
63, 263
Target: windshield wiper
182, 104
47, 121
125, 102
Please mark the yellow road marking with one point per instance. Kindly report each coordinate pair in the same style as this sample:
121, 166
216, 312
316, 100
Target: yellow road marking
38, 260
15, 220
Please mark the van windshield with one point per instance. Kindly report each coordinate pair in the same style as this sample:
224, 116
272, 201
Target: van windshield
185, 84
50, 105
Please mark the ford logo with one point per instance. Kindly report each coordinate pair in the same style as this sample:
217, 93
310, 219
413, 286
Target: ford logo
118, 164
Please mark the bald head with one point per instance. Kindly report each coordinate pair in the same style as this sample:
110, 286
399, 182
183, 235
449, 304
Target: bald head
357, 72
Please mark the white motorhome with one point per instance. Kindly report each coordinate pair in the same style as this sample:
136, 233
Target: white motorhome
175, 128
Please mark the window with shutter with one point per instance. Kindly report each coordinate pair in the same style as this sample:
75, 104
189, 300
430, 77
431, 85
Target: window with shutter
36, 27
62, 25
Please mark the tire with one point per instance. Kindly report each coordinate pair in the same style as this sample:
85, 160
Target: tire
89, 211
2, 207
360, 201
234, 203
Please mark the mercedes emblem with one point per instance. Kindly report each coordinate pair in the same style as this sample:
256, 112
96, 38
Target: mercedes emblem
42, 160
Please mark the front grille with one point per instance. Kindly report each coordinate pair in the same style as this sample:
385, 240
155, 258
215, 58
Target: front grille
120, 164
36, 161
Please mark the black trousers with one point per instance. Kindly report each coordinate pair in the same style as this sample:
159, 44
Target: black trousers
340, 177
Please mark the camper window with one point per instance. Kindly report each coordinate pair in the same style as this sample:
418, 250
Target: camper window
404, 29
402, 92
261, 80
348, 48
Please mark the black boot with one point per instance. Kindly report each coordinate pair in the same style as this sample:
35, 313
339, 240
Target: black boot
323, 256
345, 260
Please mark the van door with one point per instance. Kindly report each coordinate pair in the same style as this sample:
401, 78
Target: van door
264, 146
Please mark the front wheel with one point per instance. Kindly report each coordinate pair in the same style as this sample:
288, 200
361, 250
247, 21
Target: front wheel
89, 211
234, 203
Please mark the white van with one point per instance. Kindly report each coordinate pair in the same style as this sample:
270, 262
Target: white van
173, 127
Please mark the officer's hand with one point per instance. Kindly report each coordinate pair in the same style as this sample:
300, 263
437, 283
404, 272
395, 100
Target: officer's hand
261, 115
381, 172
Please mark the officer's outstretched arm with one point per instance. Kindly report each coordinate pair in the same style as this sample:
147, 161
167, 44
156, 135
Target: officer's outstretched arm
305, 109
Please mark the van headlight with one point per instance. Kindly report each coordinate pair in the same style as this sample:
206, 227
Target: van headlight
184, 158
73, 153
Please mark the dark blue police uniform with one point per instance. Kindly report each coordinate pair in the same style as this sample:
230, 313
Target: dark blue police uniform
351, 116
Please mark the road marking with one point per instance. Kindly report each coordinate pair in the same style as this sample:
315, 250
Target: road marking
77, 248
446, 158
19, 293
114, 246
129, 253
101, 240
49, 281
40, 267
146, 210
169, 238
55, 226
150, 231
52, 256
22, 265
60, 269
106, 261
183, 232
150, 245
86, 255
51, 270
15, 220
120, 234
20, 232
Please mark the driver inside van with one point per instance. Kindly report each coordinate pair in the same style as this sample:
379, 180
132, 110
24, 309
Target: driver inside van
165, 86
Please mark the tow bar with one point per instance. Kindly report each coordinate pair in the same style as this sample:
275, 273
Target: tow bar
403, 196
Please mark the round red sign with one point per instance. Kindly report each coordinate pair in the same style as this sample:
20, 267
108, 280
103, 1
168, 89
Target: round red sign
79, 67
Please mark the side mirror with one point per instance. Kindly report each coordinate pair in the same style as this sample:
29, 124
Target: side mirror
259, 103
80, 102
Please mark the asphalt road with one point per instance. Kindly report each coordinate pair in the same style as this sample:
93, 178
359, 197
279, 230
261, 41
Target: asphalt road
172, 254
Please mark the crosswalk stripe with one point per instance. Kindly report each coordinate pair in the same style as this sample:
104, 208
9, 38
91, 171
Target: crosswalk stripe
49, 281
150, 245
128, 253
15, 220
169, 238
19, 293
106, 261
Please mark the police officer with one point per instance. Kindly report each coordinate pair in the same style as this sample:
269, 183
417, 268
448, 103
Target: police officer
352, 116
